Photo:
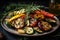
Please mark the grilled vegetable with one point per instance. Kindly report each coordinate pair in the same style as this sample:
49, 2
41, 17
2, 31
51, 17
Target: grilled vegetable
19, 23
29, 30
33, 22
37, 11
15, 17
40, 25
38, 30
39, 16
10, 14
21, 31
51, 20
19, 12
46, 26
44, 13
28, 23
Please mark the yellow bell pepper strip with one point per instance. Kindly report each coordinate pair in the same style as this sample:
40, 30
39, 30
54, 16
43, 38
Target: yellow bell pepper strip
15, 17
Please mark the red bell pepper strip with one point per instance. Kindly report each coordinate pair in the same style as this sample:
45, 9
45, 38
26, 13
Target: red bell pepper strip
47, 14
44, 13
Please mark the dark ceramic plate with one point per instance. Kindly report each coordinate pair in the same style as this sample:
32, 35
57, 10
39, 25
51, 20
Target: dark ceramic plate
15, 32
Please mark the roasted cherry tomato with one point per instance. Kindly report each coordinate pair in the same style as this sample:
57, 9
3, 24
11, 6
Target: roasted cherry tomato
23, 16
33, 22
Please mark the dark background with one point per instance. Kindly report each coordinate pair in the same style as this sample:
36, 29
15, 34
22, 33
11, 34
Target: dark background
9, 36
6, 2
